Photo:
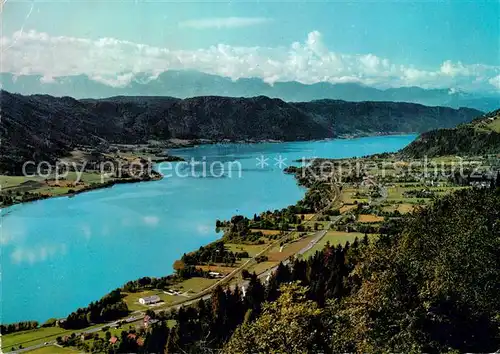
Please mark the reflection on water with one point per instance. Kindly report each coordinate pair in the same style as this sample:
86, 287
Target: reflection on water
59, 254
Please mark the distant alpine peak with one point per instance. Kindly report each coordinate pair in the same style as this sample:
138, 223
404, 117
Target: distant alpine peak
190, 83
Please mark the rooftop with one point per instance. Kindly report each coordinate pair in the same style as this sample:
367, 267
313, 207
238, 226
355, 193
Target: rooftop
151, 298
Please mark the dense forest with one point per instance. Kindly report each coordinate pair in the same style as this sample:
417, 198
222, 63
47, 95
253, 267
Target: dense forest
42, 127
428, 283
480, 137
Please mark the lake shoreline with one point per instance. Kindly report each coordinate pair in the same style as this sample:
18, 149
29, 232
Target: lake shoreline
94, 187
211, 241
193, 143
177, 144
173, 272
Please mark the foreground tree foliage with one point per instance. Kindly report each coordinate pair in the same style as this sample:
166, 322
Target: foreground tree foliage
432, 286
436, 286
289, 324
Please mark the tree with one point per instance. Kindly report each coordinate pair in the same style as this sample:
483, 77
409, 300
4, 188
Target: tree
150, 313
272, 288
245, 274
255, 294
282, 274
156, 340
299, 271
218, 299
173, 341
365, 240
283, 327
431, 285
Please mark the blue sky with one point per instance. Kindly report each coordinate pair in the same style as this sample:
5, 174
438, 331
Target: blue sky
379, 43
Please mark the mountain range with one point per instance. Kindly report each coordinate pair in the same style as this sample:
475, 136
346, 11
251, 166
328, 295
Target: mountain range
185, 84
43, 127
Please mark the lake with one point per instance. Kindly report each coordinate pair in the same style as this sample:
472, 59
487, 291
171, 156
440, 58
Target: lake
62, 253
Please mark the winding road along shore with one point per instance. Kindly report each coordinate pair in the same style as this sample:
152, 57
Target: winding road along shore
206, 293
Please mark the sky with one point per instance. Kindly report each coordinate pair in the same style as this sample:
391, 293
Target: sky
431, 44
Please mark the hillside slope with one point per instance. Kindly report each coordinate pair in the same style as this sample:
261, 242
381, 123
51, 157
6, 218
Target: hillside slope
42, 127
482, 136
428, 285
385, 117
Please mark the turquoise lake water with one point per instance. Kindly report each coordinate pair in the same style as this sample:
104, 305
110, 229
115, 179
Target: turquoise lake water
62, 253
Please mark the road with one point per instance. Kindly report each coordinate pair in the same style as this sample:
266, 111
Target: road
33, 347
205, 294
319, 235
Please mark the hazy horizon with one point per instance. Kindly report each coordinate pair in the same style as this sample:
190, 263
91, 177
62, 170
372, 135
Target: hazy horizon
452, 45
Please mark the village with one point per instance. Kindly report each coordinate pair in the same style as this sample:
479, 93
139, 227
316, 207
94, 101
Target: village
353, 206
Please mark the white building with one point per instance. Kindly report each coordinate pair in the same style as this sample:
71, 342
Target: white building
148, 300
215, 275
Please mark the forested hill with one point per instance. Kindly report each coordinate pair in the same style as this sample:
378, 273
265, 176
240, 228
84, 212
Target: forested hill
429, 284
42, 127
482, 136
360, 118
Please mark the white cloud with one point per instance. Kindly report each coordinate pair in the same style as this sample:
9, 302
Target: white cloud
495, 81
224, 22
117, 63
47, 80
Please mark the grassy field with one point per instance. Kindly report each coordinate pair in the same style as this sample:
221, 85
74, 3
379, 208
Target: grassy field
196, 284
132, 299
495, 125
369, 218
31, 337
220, 268
288, 250
262, 267
306, 216
334, 238
267, 232
395, 194
321, 224
53, 349
251, 249
387, 169
15, 181
18, 185
348, 195
114, 331
402, 208
447, 190
347, 207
